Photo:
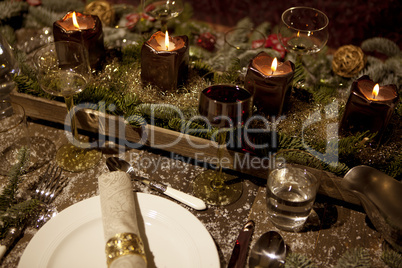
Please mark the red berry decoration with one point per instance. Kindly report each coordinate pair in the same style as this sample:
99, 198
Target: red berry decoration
207, 41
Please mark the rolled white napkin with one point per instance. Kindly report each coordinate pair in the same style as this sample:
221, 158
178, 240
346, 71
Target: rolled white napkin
124, 247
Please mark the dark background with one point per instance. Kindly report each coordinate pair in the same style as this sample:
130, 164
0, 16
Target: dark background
351, 21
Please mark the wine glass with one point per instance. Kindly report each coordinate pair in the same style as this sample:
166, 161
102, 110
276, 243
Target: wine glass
63, 70
303, 30
226, 107
163, 10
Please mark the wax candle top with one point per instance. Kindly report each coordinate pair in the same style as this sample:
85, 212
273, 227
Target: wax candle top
74, 21
263, 63
158, 42
385, 93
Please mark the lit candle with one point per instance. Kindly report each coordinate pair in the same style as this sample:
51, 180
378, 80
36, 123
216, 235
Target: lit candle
85, 29
164, 61
272, 81
369, 107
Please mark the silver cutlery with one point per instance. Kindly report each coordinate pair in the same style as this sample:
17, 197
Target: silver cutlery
115, 163
268, 251
51, 183
239, 253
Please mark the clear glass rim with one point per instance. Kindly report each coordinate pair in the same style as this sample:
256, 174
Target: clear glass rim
309, 8
53, 45
263, 37
313, 180
228, 103
20, 121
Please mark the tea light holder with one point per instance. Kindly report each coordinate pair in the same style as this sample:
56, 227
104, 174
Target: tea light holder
164, 61
84, 29
272, 83
369, 106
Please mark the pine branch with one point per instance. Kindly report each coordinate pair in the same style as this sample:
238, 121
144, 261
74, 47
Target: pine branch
7, 197
349, 147
357, 257
392, 258
296, 260
299, 75
11, 9
31, 87
43, 16
131, 54
191, 128
289, 142
243, 29
202, 68
382, 45
8, 33
63, 6
231, 76
324, 93
20, 213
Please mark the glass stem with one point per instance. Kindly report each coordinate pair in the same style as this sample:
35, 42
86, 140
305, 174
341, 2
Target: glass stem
70, 104
299, 59
163, 25
218, 181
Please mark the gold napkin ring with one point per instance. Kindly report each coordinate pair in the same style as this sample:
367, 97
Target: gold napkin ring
124, 244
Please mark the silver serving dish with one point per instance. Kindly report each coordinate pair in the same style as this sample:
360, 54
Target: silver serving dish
381, 198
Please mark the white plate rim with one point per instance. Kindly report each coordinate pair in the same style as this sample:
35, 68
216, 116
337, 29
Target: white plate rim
39, 249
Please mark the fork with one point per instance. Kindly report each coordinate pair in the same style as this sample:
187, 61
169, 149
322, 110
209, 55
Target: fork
51, 183
50, 186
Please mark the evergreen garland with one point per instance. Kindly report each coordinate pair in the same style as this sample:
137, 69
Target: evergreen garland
12, 211
117, 91
224, 66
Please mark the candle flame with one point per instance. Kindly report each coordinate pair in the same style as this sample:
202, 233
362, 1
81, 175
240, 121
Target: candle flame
75, 22
274, 65
376, 89
298, 34
167, 40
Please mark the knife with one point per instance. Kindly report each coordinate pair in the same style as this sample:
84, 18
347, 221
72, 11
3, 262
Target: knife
115, 163
239, 253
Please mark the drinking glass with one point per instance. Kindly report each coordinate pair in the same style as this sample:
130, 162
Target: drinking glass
253, 39
9, 68
226, 107
13, 134
291, 192
303, 30
63, 70
163, 10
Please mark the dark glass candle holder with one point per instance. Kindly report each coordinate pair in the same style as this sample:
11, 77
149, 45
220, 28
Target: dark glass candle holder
272, 88
365, 111
165, 68
88, 31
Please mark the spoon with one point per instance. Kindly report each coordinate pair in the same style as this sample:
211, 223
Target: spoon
268, 251
115, 163
381, 197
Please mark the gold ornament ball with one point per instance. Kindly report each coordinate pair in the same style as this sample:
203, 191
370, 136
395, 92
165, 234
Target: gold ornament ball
348, 61
102, 9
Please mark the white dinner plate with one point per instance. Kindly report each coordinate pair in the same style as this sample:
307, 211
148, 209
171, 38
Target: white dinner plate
74, 238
